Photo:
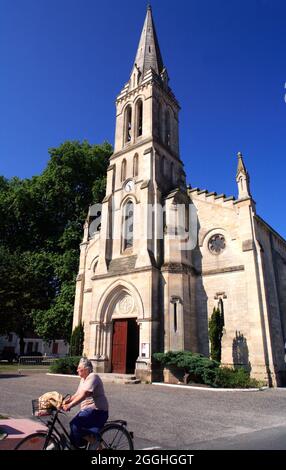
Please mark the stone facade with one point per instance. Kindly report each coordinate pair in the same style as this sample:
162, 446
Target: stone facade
143, 290
246, 279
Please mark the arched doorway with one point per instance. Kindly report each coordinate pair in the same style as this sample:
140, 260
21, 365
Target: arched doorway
120, 309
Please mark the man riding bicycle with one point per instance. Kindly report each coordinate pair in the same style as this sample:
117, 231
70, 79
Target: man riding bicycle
93, 412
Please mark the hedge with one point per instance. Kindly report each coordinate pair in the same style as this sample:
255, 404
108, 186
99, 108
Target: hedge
203, 370
65, 365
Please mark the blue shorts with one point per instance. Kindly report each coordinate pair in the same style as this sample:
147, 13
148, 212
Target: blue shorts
87, 421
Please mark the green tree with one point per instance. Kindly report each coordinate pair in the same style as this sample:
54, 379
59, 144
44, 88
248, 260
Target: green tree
25, 283
77, 340
41, 227
215, 334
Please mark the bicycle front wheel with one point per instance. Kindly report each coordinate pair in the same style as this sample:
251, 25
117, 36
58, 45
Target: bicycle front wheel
115, 437
38, 441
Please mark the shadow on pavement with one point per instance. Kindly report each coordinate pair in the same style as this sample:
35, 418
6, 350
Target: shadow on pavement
11, 376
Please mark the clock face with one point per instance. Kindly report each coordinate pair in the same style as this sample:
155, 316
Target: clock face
129, 186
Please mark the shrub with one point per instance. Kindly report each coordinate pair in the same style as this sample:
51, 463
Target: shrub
200, 368
77, 339
65, 365
203, 370
215, 334
234, 378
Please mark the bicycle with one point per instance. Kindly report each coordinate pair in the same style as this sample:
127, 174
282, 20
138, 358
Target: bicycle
113, 436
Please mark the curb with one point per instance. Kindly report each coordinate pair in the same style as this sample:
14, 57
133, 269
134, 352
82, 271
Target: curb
63, 375
210, 389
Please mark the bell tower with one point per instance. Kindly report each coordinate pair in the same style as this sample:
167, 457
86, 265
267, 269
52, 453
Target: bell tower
138, 293
145, 165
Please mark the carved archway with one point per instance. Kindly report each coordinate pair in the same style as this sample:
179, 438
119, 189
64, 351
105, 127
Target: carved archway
118, 312
113, 299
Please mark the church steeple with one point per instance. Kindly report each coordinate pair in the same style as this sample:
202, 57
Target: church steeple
147, 111
242, 179
148, 52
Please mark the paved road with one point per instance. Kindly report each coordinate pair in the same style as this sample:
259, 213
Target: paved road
172, 418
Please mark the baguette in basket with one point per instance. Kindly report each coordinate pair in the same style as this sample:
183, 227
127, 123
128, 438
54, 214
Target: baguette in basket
49, 401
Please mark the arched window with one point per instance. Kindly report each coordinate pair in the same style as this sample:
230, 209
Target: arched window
135, 165
127, 124
94, 264
175, 301
128, 225
94, 222
241, 183
163, 166
175, 317
182, 178
123, 170
139, 118
187, 218
221, 309
172, 174
167, 128
159, 118
113, 177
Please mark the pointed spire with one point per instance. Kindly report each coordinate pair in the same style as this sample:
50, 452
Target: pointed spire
241, 166
148, 52
242, 179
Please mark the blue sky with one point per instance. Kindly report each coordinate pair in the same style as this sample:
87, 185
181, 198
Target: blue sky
64, 61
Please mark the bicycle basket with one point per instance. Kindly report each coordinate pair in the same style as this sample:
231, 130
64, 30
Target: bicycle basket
37, 411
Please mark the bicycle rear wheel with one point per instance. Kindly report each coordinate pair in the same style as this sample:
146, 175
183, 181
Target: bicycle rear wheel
37, 441
115, 437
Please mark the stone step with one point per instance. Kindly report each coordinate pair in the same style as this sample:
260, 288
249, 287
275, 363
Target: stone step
119, 378
115, 375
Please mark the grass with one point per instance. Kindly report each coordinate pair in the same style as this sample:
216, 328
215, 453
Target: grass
14, 368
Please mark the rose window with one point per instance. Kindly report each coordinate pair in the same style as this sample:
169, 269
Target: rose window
217, 244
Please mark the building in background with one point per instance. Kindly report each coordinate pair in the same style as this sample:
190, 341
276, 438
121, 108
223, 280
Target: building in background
10, 346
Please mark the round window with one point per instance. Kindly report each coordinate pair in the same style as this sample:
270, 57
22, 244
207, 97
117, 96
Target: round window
217, 244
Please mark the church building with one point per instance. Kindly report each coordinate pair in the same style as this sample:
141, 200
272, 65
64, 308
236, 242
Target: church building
165, 254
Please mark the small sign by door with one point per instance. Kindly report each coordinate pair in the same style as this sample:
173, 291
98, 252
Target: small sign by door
145, 350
